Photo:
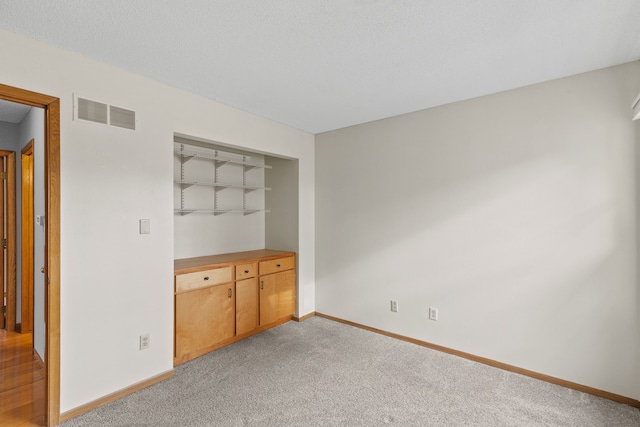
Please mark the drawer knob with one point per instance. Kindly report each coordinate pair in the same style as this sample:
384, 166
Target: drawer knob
206, 277
246, 271
277, 265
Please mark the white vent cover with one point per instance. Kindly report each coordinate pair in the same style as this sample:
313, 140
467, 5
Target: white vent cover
122, 118
98, 112
92, 111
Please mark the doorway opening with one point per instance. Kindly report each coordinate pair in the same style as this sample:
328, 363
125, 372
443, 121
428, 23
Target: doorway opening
51, 224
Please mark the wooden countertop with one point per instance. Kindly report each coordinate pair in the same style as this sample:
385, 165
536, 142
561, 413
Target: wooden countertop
190, 265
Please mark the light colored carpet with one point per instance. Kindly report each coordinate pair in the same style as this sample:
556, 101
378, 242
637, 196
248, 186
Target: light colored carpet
323, 373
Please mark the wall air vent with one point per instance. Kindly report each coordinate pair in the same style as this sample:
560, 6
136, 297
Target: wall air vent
92, 111
98, 112
122, 118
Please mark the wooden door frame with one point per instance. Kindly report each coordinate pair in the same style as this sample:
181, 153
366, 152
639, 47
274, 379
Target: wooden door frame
10, 215
51, 106
27, 238
3, 265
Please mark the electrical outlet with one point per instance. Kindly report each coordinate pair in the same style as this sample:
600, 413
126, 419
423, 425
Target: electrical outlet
433, 313
145, 341
394, 306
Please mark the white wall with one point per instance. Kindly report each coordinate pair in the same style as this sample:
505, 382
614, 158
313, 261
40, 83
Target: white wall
115, 283
32, 127
282, 202
281, 223
637, 200
514, 214
8, 136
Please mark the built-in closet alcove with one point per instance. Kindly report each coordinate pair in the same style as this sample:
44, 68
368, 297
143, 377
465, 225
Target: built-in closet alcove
225, 201
235, 244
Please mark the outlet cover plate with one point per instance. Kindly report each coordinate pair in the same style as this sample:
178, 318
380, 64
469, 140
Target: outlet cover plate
145, 341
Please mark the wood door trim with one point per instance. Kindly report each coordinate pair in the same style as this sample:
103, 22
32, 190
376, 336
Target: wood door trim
51, 106
52, 258
27, 97
3, 265
11, 237
10, 214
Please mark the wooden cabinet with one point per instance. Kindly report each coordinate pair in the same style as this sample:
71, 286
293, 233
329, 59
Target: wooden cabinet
246, 305
204, 317
276, 265
221, 299
268, 299
200, 279
277, 290
246, 270
286, 291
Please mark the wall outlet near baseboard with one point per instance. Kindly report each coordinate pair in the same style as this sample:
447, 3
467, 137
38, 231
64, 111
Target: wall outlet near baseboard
394, 305
145, 341
433, 313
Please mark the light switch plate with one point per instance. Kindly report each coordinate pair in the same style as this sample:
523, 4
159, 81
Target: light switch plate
145, 226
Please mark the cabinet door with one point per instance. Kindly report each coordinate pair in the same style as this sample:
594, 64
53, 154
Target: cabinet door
286, 291
246, 305
204, 318
277, 296
268, 299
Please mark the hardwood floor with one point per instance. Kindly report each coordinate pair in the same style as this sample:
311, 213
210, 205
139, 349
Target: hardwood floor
22, 382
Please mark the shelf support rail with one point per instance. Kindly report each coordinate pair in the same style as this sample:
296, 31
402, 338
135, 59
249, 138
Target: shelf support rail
182, 162
244, 184
215, 181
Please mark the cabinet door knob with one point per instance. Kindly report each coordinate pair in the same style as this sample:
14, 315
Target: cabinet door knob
277, 265
206, 277
230, 293
261, 284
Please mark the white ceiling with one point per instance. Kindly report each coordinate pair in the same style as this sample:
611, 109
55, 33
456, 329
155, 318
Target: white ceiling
12, 112
319, 65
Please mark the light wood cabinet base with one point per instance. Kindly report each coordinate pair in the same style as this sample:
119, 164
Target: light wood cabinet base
222, 299
202, 351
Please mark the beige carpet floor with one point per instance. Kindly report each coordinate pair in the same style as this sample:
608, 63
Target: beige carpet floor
323, 373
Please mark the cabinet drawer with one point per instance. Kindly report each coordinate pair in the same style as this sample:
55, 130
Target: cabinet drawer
200, 279
244, 271
280, 264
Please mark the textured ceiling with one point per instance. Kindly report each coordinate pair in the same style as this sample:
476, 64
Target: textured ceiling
319, 65
12, 112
